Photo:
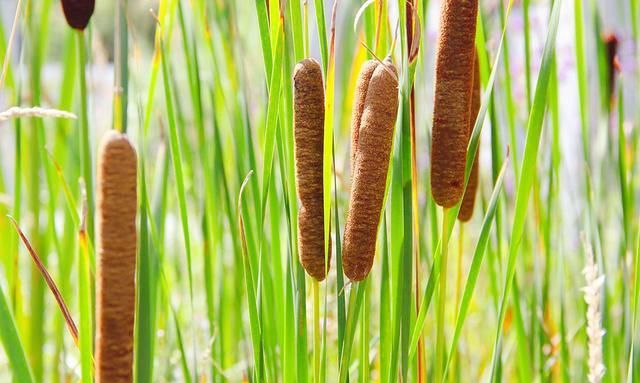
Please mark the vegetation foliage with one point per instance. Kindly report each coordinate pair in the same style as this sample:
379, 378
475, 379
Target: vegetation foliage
204, 90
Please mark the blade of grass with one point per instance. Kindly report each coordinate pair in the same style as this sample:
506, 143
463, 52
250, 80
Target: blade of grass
527, 50
49, 280
85, 336
510, 107
85, 140
322, 32
364, 368
582, 75
176, 156
36, 139
146, 291
356, 297
71, 208
272, 115
121, 72
12, 345
636, 300
385, 302
263, 23
184, 365
254, 320
476, 263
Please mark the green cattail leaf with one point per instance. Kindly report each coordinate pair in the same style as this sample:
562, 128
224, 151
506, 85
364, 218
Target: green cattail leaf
176, 157
12, 344
272, 116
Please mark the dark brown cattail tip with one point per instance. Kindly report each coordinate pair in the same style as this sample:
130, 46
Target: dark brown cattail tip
453, 82
309, 146
371, 162
468, 201
613, 65
116, 255
78, 12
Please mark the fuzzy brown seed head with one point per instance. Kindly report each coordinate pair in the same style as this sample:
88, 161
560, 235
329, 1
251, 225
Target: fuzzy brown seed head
358, 105
78, 12
309, 146
370, 163
468, 201
453, 81
116, 256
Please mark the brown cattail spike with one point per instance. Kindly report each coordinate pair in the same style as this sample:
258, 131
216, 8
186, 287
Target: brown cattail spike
309, 144
370, 163
116, 250
469, 199
78, 12
358, 105
453, 80
613, 66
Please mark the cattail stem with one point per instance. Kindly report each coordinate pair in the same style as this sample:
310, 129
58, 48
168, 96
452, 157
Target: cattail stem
459, 264
440, 340
317, 343
121, 71
85, 141
454, 356
117, 244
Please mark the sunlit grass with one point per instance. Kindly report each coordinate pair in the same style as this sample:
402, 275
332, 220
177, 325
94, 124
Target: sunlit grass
204, 90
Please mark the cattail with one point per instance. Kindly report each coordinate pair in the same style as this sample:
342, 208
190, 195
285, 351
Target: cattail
309, 144
370, 164
613, 65
358, 105
469, 198
116, 249
453, 83
78, 12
